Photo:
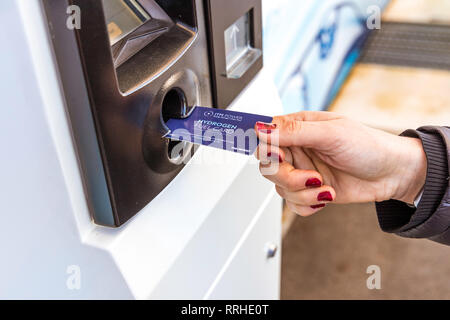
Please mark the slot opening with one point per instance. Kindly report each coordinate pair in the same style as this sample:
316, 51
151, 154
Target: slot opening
174, 105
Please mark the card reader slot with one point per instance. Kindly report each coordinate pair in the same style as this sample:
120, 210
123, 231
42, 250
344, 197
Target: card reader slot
174, 106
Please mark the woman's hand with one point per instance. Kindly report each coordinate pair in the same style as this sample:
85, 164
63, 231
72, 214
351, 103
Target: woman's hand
321, 157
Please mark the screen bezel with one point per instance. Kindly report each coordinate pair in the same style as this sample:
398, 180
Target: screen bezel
134, 10
158, 23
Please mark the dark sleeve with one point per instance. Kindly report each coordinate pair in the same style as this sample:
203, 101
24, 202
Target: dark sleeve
431, 218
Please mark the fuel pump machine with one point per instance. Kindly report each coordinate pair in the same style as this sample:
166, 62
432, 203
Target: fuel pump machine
141, 62
107, 209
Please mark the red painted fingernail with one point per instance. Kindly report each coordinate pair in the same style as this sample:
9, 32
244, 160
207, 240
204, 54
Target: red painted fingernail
274, 156
265, 127
318, 206
313, 183
325, 196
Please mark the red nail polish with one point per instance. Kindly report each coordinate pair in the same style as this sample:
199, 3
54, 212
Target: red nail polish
313, 183
325, 196
265, 127
274, 156
318, 206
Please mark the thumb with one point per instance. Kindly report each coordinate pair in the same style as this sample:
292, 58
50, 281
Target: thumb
289, 131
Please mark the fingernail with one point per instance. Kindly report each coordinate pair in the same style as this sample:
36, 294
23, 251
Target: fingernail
274, 156
265, 127
318, 206
313, 182
325, 196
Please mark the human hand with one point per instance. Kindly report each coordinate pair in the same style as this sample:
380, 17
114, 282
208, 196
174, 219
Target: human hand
324, 157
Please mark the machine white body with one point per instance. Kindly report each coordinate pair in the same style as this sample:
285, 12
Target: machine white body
199, 239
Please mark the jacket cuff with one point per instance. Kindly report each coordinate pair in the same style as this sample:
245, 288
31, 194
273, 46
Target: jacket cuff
396, 216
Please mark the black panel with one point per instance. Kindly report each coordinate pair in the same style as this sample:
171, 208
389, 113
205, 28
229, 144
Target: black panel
221, 15
123, 156
118, 98
180, 11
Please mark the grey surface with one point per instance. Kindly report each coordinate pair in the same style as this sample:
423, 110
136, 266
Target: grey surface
409, 44
326, 256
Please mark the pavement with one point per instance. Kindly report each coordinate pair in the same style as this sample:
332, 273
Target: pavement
326, 256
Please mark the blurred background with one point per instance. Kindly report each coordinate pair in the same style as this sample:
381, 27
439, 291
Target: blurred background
394, 77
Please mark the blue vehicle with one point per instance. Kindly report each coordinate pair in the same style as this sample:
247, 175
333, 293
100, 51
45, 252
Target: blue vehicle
310, 47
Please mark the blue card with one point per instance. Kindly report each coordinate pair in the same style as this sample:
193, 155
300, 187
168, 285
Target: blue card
222, 129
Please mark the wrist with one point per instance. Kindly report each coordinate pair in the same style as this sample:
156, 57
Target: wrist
411, 170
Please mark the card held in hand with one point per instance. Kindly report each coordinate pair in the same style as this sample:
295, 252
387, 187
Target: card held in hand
223, 129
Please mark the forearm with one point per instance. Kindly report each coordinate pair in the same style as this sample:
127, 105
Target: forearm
412, 170
430, 219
